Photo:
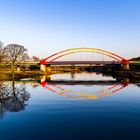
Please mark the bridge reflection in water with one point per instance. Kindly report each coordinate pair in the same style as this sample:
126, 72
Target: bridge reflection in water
64, 87
14, 96
83, 95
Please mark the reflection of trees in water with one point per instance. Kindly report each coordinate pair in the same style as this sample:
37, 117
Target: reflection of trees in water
12, 98
138, 85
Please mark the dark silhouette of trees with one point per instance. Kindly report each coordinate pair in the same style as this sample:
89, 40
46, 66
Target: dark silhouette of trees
12, 98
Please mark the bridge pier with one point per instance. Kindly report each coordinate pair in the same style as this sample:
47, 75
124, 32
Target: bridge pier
45, 78
18, 69
126, 67
125, 64
126, 80
45, 68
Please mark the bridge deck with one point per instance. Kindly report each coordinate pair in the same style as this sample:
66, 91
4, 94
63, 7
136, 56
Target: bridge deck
81, 62
75, 62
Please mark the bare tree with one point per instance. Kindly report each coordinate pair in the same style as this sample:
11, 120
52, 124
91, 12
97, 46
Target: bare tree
15, 54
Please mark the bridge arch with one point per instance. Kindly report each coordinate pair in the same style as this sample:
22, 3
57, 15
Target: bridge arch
66, 52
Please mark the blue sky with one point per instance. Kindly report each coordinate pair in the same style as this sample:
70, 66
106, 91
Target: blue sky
48, 26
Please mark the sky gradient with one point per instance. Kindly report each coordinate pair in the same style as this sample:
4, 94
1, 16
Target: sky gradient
47, 26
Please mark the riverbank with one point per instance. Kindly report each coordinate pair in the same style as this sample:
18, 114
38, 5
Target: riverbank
6, 75
128, 74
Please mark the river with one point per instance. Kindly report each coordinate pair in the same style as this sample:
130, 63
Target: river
69, 106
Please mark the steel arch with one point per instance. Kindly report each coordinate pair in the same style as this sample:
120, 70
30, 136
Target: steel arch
66, 52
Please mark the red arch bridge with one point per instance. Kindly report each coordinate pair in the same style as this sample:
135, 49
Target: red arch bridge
54, 58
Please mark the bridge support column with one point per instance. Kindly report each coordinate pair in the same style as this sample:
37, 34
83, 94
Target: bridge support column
45, 78
126, 80
45, 68
126, 67
18, 69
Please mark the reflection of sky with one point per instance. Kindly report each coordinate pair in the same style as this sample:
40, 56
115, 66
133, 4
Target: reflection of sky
80, 76
49, 115
43, 96
68, 92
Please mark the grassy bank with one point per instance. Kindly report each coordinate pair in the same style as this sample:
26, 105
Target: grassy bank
6, 75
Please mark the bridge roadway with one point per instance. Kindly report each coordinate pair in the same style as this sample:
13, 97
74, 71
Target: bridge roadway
76, 62
81, 62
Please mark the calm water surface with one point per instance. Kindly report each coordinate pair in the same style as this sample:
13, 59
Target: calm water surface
70, 107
